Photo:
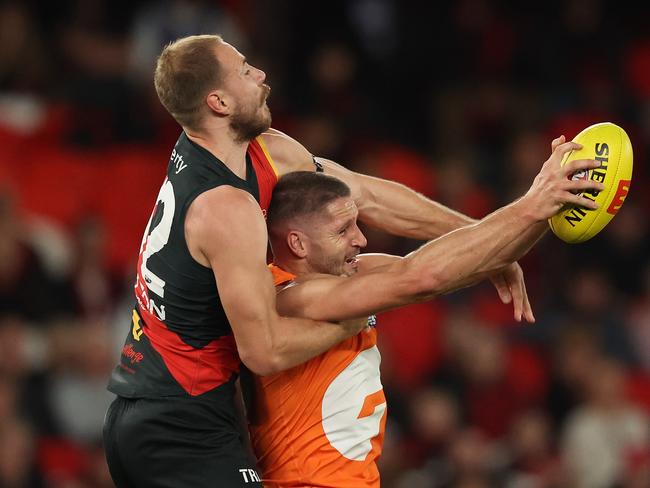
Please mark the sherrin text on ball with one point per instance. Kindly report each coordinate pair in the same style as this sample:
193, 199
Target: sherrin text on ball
608, 143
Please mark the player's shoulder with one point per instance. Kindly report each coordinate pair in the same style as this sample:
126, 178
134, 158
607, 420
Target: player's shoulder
288, 154
225, 201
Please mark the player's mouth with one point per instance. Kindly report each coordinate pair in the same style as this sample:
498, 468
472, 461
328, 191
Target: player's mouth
265, 92
352, 261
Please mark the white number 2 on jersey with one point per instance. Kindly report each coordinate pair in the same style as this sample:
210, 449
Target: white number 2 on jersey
155, 239
354, 405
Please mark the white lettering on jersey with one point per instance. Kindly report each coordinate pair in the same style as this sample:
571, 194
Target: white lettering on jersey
177, 160
346, 399
249, 473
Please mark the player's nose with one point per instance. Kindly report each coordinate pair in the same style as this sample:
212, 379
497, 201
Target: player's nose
359, 239
261, 75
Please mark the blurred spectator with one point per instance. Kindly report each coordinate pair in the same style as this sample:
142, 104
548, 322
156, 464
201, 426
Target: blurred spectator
476, 370
94, 45
459, 187
527, 151
470, 462
639, 319
158, 23
592, 298
17, 449
534, 460
95, 287
435, 422
77, 389
24, 60
606, 441
26, 289
574, 354
626, 242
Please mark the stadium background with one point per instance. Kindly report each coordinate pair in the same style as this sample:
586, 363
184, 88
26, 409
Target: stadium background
458, 100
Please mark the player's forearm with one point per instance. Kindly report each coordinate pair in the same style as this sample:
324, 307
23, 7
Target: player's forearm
292, 341
399, 210
524, 243
335, 298
471, 253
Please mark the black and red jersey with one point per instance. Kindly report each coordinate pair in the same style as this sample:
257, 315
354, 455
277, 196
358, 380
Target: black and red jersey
180, 341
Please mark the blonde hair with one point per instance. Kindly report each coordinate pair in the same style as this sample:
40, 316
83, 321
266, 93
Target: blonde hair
186, 70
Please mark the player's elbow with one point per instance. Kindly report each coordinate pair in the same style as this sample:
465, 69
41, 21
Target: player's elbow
264, 356
261, 362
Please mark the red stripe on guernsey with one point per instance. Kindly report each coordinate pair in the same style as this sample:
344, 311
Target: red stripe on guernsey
196, 370
267, 175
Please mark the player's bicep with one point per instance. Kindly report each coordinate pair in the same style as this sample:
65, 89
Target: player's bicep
287, 153
234, 241
354, 180
369, 261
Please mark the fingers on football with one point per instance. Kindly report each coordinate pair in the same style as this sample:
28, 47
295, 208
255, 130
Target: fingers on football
566, 147
581, 201
557, 141
582, 185
578, 165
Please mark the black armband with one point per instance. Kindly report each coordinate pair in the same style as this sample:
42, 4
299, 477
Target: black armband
319, 166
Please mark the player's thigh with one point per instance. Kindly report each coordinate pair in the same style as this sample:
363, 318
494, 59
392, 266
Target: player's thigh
111, 450
162, 447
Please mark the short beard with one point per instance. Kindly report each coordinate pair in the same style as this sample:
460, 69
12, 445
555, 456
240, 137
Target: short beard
247, 127
330, 266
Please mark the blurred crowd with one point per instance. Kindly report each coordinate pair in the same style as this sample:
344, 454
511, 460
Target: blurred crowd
458, 100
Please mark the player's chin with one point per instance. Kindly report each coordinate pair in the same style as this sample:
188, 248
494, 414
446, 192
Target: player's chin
266, 116
350, 267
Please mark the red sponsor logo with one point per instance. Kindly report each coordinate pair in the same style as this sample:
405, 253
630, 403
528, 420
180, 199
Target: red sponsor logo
132, 354
619, 197
127, 369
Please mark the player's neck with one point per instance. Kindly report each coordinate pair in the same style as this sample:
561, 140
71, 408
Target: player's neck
222, 146
296, 267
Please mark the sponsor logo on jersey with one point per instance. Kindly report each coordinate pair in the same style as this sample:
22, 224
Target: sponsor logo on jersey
177, 160
130, 353
249, 475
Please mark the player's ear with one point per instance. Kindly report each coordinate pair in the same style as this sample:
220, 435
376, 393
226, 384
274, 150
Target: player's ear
296, 241
218, 102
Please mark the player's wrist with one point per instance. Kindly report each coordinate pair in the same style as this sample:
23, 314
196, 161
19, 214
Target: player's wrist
528, 210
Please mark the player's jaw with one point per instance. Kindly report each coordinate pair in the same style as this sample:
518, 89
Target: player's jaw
250, 120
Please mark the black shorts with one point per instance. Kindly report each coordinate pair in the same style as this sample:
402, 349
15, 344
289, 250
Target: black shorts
175, 443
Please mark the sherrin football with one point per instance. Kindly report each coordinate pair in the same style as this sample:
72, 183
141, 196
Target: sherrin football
609, 144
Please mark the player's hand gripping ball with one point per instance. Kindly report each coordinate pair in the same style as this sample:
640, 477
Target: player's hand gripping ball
609, 144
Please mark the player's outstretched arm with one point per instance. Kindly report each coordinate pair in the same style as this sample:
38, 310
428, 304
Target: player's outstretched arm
225, 230
453, 261
386, 205
397, 209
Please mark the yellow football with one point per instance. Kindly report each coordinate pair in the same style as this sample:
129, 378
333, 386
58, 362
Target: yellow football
609, 144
